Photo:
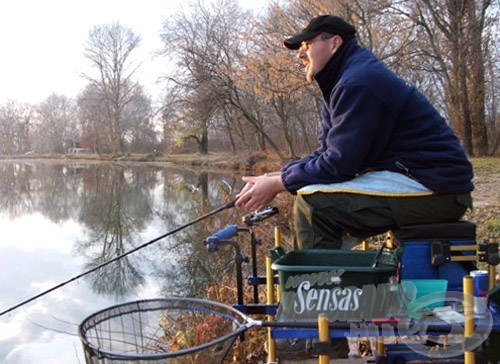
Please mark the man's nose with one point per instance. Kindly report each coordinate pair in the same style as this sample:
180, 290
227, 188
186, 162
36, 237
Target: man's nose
301, 53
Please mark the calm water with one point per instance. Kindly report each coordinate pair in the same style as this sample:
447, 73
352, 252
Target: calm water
58, 220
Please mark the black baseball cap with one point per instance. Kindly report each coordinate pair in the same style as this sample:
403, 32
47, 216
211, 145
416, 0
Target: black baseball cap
323, 23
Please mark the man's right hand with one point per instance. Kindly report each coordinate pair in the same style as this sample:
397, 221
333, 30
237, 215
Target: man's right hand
259, 191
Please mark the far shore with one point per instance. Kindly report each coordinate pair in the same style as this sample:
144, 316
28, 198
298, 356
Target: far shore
251, 162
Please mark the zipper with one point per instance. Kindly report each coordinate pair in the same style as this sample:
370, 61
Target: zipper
404, 168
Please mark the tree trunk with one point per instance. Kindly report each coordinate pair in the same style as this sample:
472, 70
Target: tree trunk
476, 77
203, 146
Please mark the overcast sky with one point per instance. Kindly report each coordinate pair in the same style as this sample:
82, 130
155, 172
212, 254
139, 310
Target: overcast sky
42, 42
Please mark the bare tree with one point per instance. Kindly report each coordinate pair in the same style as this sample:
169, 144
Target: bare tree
274, 74
92, 115
139, 130
453, 49
209, 47
492, 68
56, 124
193, 36
109, 50
15, 126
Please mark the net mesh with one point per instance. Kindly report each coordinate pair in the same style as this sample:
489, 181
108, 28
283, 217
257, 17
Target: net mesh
168, 330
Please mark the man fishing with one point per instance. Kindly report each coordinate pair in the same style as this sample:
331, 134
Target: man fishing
386, 158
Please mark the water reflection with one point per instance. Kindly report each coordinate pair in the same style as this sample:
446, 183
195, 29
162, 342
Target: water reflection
115, 203
117, 208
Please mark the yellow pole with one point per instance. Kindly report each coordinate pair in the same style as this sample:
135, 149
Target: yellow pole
277, 242
390, 241
271, 349
468, 284
323, 336
365, 245
492, 273
380, 346
277, 236
492, 276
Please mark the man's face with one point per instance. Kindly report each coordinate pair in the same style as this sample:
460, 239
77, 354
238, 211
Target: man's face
315, 53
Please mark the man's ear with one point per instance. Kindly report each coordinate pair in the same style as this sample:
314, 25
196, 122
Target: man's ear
337, 43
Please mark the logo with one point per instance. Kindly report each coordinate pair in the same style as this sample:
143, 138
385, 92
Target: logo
426, 325
308, 295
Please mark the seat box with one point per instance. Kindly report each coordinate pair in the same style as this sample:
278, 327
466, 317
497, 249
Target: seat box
417, 242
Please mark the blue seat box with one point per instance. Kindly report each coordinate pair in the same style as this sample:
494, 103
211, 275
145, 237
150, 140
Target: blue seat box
416, 259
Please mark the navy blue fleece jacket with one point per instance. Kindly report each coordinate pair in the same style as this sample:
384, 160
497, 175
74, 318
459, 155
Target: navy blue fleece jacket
373, 120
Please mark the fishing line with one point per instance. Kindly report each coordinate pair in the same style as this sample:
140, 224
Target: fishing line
211, 213
53, 329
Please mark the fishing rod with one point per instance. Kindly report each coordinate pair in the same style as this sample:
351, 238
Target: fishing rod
192, 222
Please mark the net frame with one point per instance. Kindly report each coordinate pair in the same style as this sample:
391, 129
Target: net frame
93, 344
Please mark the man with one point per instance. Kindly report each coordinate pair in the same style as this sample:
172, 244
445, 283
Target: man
386, 157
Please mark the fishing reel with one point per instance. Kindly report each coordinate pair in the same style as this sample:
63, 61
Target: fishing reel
259, 215
228, 232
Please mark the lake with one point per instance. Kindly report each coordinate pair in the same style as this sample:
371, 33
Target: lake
60, 219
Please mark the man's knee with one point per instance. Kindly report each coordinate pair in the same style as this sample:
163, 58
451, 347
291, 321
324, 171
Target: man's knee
313, 228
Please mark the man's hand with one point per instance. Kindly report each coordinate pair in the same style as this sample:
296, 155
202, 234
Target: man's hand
259, 191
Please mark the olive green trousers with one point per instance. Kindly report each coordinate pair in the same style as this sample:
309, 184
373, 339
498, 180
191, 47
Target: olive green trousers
321, 220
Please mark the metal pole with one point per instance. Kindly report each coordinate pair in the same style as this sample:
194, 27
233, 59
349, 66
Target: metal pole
468, 284
254, 242
271, 349
324, 336
277, 243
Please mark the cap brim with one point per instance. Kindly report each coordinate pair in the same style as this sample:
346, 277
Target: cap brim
295, 41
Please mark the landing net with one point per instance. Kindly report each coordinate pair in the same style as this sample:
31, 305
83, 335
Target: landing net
172, 330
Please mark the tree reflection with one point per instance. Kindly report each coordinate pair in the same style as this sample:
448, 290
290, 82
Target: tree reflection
48, 188
15, 188
117, 205
187, 196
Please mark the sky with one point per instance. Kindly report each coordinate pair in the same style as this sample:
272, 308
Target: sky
42, 43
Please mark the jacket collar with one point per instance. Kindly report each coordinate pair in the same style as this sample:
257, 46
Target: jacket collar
329, 75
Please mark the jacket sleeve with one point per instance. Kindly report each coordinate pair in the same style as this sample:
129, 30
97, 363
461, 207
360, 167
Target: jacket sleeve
356, 128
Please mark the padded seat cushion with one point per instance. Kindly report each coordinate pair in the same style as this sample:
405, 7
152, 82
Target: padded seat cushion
463, 230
